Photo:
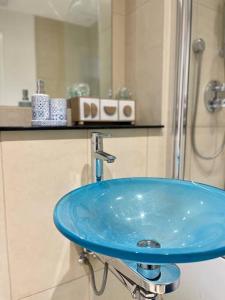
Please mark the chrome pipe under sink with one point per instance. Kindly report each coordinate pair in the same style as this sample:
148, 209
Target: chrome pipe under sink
139, 286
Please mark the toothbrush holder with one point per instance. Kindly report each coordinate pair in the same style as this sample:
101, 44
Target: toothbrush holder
58, 109
40, 107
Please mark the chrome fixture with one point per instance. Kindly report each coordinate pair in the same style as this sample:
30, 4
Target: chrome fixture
214, 99
183, 53
183, 42
198, 46
215, 96
98, 155
138, 285
151, 272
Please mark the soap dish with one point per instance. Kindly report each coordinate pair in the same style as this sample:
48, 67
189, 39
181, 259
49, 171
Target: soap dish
48, 123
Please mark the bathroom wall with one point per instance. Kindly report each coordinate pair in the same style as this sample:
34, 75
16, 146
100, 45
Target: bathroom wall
37, 168
105, 46
118, 44
66, 53
144, 57
16, 29
50, 55
138, 45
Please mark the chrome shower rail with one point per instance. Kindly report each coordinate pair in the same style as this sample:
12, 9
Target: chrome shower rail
184, 21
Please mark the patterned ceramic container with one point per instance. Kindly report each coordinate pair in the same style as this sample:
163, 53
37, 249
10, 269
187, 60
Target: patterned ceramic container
58, 109
40, 107
48, 123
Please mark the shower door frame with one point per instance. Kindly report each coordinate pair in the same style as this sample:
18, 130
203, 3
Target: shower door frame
183, 47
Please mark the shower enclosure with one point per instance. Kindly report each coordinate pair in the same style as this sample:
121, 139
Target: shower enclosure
200, 107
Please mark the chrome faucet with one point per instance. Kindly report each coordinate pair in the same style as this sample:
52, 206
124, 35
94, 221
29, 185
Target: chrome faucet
98, 155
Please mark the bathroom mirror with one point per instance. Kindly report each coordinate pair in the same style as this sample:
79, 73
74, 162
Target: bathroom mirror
117, 47
63, 42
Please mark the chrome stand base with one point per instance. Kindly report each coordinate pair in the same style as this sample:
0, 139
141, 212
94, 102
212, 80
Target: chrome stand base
140, 287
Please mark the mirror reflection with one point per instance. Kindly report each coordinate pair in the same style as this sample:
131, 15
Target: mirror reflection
105, 58
64, 43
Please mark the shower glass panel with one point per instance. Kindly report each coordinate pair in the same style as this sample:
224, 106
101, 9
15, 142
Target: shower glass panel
205, 141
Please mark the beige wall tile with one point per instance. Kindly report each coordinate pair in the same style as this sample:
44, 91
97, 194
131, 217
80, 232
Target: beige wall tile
207, 171
150, 17
147, 24
105, 62
209, 27
49, 37
76, 289
4, 274
156, 153
131, 28
144, 59
213, 4
39, 168
195, 280
132, 5
131, 70
15, 116
119, 7
118, 52
114, 289
130, 149
18, 68
149, 86
144, 77
219, 169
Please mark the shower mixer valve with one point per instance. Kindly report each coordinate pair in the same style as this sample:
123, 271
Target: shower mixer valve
215, 96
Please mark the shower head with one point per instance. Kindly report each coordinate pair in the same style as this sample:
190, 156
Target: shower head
198, 46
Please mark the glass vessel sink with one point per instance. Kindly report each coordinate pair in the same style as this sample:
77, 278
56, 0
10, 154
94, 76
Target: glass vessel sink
187, 219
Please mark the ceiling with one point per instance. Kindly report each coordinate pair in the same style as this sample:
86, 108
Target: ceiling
80, 12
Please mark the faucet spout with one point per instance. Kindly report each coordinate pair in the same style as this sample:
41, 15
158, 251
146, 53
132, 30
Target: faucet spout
99, 156
105, 156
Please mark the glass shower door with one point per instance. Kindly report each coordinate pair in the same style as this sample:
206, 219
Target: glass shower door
204, 157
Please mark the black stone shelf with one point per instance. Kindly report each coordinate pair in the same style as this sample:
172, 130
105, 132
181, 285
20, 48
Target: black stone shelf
81, 127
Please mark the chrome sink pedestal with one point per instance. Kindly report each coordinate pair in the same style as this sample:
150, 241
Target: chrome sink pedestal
139, 286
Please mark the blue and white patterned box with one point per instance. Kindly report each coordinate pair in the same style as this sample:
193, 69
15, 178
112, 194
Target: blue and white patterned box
40, 107
58, 109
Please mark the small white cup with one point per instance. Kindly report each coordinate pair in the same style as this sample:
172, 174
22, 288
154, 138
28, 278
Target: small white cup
58, 109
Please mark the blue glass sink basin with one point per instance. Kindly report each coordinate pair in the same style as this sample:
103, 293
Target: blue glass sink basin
111, 217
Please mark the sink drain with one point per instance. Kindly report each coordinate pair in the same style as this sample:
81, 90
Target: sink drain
148, 244
151, 272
